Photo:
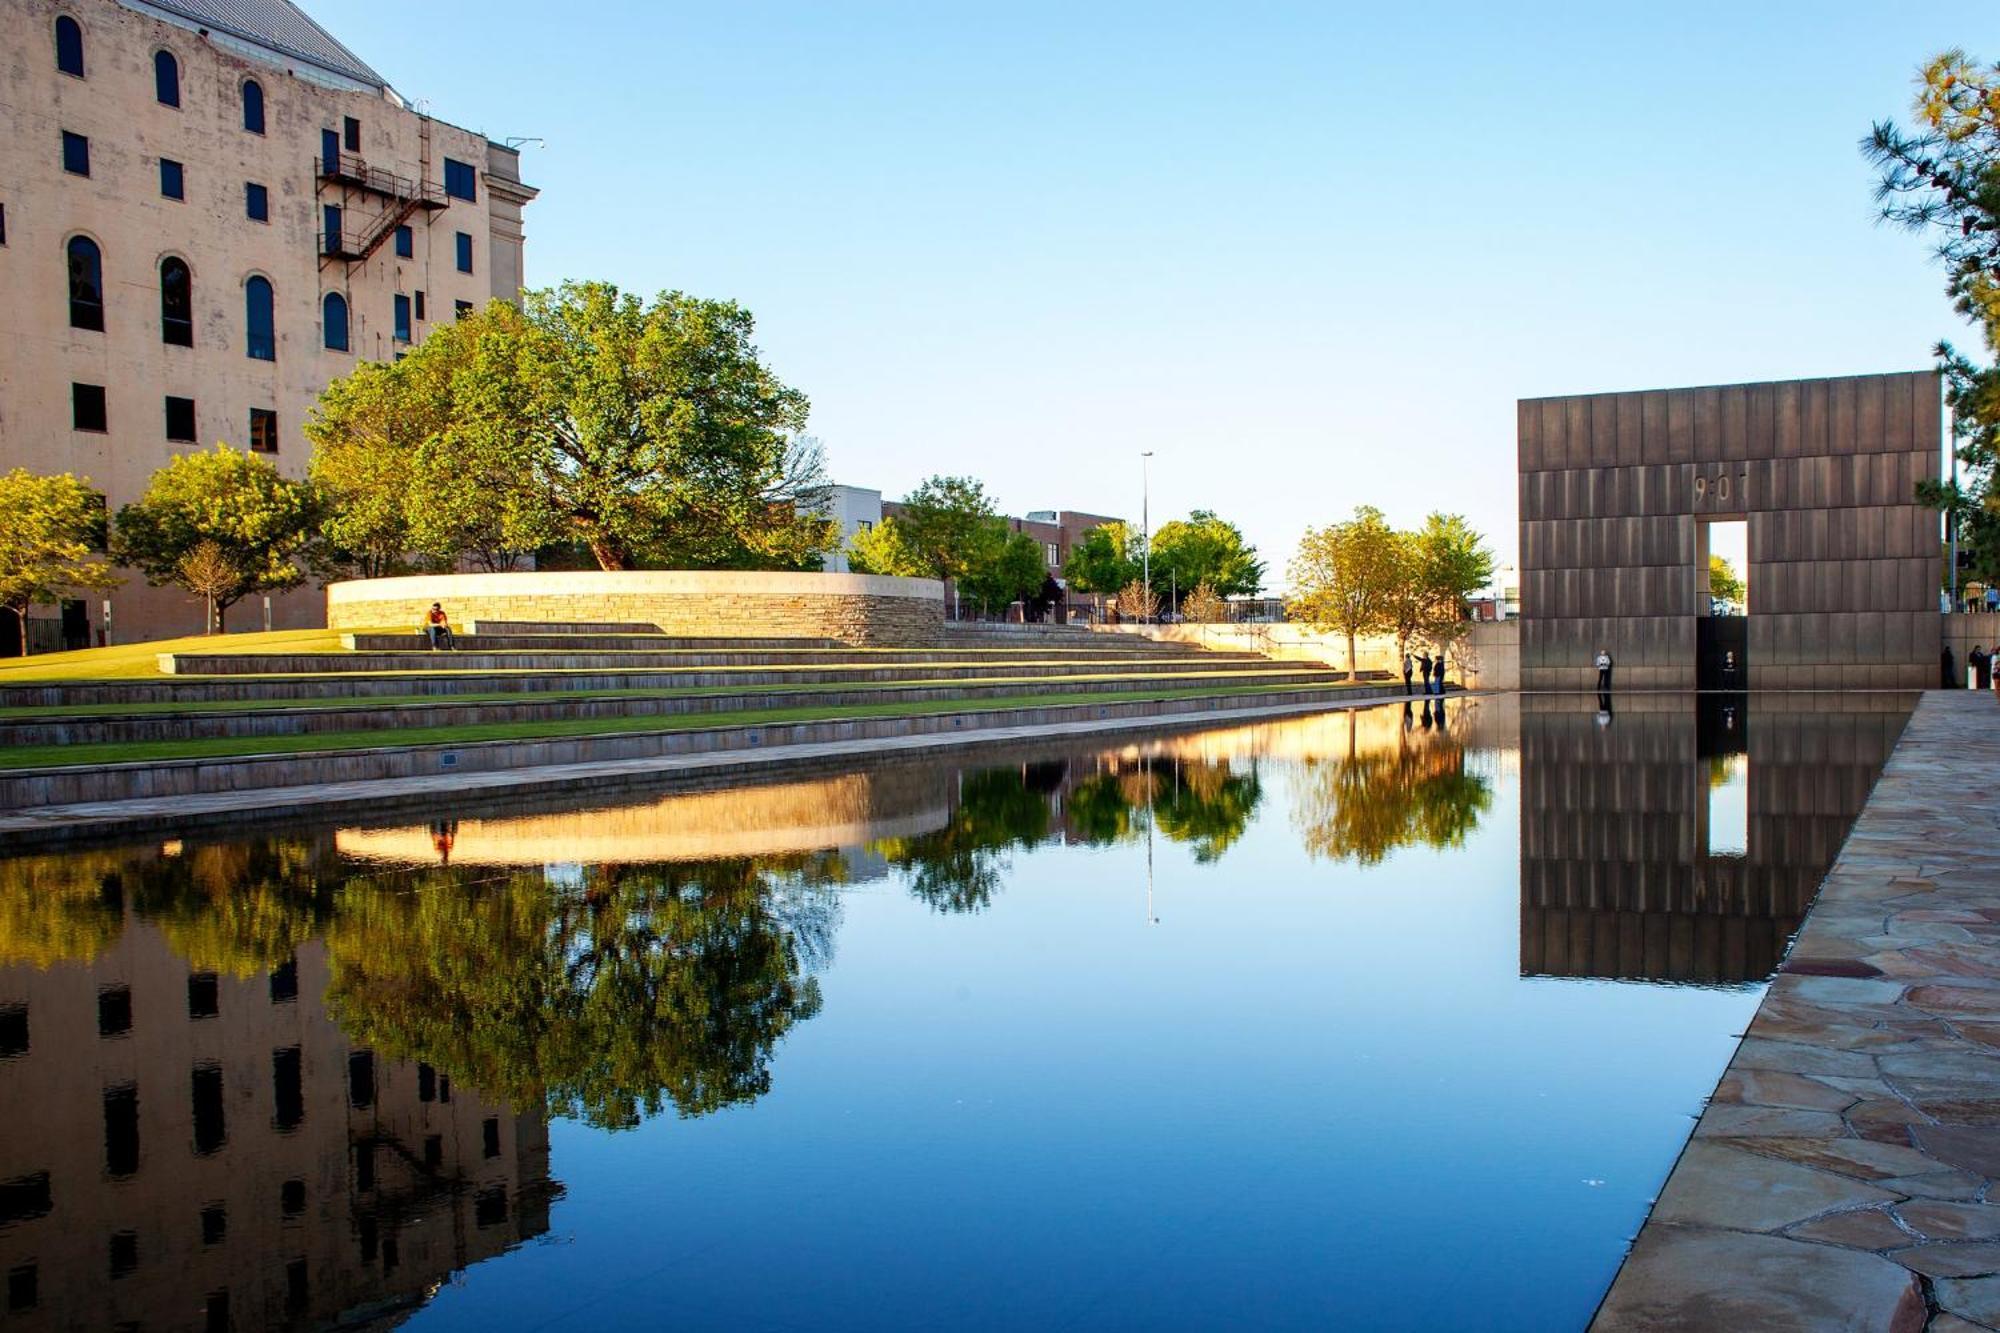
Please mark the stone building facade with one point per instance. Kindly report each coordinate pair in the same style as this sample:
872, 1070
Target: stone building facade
208, 210
1617, 491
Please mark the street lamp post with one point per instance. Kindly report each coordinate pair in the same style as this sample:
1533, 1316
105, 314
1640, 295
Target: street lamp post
1145, 528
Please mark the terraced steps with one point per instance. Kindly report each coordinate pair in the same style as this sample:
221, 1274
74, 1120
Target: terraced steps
213, 722
223, 664
521, 641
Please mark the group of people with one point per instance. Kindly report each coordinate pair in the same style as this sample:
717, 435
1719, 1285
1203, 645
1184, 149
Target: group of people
1982, 669
1429, 668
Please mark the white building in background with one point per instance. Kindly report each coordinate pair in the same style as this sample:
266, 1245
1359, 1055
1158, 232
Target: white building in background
856, 509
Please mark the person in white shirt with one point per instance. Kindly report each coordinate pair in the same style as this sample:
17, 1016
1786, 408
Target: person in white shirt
1603, 670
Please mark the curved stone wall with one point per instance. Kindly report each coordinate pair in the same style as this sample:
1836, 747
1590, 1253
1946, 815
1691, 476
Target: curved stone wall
853, 608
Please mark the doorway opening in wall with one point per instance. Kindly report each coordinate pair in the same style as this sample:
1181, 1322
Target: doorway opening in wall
1722, 604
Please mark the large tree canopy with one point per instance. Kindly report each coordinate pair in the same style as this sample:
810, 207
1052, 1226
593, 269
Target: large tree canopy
50, 529
1942, 178
1104, 559
1203, 549
1345, 576
256, 519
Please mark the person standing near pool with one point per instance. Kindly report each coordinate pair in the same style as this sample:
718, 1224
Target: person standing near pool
1407, 665
1604, 665
1424, 670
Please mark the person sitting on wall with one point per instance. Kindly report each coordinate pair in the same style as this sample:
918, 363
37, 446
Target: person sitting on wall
438, 627
1604, 665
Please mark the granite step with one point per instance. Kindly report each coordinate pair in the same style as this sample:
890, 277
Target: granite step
260, 664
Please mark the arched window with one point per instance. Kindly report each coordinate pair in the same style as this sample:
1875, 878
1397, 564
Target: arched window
166, 78
333, 319
86, 284
176, 303
69, 45
260, 331
253, 106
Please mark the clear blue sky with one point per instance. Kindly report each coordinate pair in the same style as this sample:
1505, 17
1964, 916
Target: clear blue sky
1309, 254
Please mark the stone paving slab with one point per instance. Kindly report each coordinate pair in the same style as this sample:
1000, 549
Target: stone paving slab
92, 819
1840, 1176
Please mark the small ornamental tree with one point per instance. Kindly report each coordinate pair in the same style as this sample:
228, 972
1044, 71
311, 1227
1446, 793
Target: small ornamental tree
1205, 606
1344, 577
50, 530
1137, 601
257, 519
207, 573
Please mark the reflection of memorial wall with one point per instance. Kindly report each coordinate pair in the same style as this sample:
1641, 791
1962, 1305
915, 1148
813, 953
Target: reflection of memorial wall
806, 816
1616, 876
185, 1150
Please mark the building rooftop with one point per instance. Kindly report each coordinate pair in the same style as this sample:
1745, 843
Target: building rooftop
277, 25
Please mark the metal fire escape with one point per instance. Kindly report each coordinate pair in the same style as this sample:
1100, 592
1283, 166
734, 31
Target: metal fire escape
400, 199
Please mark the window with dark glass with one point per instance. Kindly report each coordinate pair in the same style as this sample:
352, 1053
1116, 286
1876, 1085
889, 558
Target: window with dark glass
426, 1082
124, 1253
460, 181
215, 1312
297, 1294
489, 1134
180, 420
86, 404
253, 106
114, 1011
3, 224
13, 1030
421, 316
464, 252
211, 1130
25, 1198
371, 1238
176, 302
23, 1288
489, 1206
402, 318
86, 284
76, 154
350, 133
406, 243
330, 220
259, 325
333, 324
204, 995
173, 179
460, 309
433, 1151
121, 1129
292, 1198
288, 1095
444, 1088
285, 976
166, 78
329, 151
69, 46
256, 202
361, 1080
214, 1224
263, 430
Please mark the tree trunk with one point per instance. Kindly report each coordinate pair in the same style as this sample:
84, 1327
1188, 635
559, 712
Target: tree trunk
610, 554
21, 619
1351, 674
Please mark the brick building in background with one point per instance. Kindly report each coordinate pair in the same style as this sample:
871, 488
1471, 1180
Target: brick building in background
208, 210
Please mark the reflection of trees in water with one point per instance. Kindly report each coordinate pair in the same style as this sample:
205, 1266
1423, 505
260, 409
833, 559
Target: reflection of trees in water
1413, 792
607, 992
1204, 803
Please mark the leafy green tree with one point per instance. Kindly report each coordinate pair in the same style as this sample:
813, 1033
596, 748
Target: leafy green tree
50, 530
1345, 576
1103, 560
1452, 563
1942, 178
652, 434
364, 433
1012, 570
1204, 549
950, 527
257, 519
883, 549
1723, 581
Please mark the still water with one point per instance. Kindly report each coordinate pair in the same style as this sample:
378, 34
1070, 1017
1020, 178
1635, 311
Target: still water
1392, 1019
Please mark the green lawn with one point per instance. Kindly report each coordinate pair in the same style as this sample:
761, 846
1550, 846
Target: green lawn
129, 661
149, 751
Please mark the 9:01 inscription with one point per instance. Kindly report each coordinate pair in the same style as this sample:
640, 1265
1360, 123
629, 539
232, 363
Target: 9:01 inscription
1722, 488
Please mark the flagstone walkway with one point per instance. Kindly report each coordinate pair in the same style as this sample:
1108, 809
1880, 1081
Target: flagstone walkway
1843, 1175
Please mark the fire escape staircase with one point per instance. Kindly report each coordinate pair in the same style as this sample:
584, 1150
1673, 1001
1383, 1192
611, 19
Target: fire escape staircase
402, 199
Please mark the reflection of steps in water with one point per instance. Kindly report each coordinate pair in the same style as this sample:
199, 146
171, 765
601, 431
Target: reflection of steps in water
807, 816
232, 1158
1617, 875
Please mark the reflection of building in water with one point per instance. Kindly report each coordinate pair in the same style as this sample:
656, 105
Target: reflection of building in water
1628, 863
187, 1150
770, 819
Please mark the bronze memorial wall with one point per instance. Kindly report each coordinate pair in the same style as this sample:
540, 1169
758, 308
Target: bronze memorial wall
1843, 563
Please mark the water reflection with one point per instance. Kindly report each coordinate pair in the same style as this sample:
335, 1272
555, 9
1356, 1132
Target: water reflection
1405, 788
1683, 840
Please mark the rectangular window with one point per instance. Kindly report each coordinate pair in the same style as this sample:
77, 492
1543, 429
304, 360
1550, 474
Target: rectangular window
402, 318
13, 1030
121, 1129
285, 982
114, 1011
263, 431
124, 1253
460, 180
86, 407
329, 153
288, 1091
3, 224
489, 1136
22, 1293
361, 1080
350, 133
76, 154
460, 309
406, 243
330, 224
214, 1224
421, 316
256, 202
204, 995
464, 252
211, 1125
173, 183
180, 420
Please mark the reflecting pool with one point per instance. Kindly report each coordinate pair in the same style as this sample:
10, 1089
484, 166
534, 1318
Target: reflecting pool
1386, 1019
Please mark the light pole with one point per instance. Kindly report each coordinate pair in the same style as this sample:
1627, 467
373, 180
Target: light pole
1145, 528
